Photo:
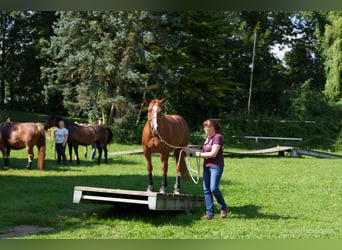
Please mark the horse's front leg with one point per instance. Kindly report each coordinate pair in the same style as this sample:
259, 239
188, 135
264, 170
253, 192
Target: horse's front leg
5, 156
164, 159
70, 152
148, 157
30, 157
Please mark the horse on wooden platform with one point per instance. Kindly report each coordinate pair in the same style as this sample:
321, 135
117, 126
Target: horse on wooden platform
164, 134
84, 135
19, 135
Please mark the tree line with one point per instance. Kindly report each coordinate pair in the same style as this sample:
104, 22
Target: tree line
104, 63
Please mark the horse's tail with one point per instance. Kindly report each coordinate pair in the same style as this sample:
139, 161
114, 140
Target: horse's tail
41, 148
110, 136
183, 169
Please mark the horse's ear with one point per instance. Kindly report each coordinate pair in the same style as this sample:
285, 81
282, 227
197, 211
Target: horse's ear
163, 100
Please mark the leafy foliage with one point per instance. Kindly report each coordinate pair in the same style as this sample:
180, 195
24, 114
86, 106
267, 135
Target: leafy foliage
103, 63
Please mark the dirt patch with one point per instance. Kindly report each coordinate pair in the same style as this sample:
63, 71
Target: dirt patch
24, 230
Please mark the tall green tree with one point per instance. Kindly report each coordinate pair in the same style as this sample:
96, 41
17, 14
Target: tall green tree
22, 32
331, 49
100, 61
203, 63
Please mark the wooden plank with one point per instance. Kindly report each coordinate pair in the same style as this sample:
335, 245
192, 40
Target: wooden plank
127, 152
113, 199
263, 151
295, 152
114, 191
316, 154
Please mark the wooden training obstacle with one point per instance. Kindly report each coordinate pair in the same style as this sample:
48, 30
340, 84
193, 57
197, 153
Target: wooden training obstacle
294, 152
154, 200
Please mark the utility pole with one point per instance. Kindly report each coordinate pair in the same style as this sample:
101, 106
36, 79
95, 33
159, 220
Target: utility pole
251, 78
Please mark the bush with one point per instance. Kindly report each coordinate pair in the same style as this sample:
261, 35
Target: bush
127, 130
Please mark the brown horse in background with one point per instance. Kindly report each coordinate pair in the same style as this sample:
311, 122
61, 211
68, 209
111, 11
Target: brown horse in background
84, 135
17, 136
164, 134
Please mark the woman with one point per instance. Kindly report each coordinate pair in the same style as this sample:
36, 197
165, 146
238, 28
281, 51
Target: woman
61, 137
212, 152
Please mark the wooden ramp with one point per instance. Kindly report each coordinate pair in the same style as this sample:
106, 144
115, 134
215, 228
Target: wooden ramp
154, 200
127, 152
294, 152
263, 151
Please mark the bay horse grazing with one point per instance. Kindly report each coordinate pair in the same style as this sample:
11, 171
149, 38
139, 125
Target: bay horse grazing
164, 134
19, 135
84, 135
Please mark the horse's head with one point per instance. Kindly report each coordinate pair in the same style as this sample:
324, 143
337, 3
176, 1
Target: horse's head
51, 122
155, 113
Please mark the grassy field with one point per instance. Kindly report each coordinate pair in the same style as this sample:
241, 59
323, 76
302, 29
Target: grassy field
268, 198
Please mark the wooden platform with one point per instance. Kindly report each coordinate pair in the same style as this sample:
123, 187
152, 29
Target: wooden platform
154, 200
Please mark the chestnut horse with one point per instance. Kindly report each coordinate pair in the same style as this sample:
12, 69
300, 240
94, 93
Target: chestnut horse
84, 135
19, 135
164, 134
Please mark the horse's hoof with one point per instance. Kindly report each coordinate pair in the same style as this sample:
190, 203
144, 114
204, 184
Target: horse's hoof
176, 192
5, 168
163, 190
150, 188
28, 165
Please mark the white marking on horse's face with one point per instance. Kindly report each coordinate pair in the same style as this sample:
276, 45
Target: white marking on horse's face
154, 118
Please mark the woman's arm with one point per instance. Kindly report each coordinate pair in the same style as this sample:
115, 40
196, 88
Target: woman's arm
212, 154
198, 152
65, 139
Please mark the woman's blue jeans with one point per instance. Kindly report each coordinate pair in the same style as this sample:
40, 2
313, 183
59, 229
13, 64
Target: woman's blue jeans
211, 180
93, 152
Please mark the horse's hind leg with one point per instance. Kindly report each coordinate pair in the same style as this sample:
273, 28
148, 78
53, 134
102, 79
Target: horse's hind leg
30, 157
85, 151
99, 147
76, 155
105, 154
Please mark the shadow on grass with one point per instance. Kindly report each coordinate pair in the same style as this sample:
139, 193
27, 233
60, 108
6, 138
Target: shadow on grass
45, 198
52, 165
252, 212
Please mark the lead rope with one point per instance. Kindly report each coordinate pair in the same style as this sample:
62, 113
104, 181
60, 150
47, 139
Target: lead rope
187, 156
189, 168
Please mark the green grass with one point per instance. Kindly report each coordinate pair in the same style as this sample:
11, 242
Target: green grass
268, 197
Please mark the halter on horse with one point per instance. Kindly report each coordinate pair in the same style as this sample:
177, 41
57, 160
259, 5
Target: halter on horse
164, 134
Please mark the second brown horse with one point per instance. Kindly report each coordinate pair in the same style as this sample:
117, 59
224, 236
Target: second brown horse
84, 135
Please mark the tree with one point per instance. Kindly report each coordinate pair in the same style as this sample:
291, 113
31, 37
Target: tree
332, 47
20, 64
100, 60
